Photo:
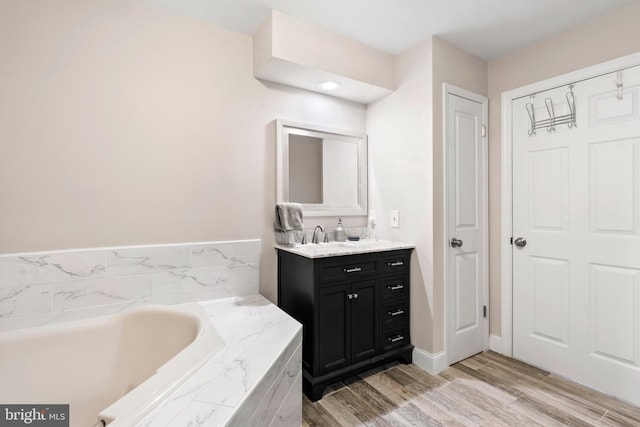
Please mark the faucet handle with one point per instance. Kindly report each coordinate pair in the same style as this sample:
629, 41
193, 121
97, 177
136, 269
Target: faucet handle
326, 237
304, 239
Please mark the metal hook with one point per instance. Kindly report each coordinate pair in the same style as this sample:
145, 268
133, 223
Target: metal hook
532, 117
572, 106
552, 115
619, 85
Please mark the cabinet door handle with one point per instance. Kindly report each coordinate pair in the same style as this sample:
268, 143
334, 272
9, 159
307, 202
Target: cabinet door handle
352, 270
396, 339
395, 287
350, 296
395, 313
355, 296
395, 263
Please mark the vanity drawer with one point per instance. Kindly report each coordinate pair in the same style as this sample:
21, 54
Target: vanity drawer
397, 262
395, 286
348, 269
395, 337
394, 312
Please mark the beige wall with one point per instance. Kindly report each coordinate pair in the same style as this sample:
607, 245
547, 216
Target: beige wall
611, 36
400, 143
123, 124
405, 136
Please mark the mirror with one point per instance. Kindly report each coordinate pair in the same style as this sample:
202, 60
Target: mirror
323, 169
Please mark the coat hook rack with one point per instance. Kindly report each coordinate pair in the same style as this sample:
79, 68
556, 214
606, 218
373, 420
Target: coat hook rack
553, 120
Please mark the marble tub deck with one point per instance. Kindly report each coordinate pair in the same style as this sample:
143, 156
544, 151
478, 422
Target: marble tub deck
254, 380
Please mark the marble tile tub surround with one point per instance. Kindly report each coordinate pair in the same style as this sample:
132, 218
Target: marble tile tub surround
49, 287
256, 379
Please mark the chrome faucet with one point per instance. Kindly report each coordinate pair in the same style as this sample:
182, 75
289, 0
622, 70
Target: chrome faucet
315, 238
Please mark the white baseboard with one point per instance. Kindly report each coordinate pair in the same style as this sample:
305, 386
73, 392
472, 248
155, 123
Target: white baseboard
432, 363
436, 363
495, 344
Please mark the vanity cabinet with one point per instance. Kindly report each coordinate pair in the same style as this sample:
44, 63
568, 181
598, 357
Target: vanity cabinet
354, 310
347, 314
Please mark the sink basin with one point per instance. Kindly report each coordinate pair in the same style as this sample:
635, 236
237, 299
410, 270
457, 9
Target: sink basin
334, 245
356, 244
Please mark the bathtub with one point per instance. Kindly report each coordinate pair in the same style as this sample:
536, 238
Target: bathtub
111, 370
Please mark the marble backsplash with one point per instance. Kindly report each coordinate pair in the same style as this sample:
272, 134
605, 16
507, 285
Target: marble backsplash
50, 287
293, 237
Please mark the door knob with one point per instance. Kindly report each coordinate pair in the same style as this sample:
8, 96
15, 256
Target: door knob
520, 242
456, 243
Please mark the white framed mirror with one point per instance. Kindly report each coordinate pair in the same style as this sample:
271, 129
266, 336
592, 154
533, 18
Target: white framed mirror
324, 169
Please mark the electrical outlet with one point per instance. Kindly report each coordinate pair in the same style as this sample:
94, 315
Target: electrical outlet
395, 219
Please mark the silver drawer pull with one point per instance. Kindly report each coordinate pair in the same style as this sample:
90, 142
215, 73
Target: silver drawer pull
395, 287
395, 263
396, 339
352, 270
395, 313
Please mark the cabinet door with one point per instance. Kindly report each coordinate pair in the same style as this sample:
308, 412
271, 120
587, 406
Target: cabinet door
333, 335
364, 319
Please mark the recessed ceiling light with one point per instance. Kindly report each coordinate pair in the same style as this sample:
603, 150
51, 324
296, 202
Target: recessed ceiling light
330, 85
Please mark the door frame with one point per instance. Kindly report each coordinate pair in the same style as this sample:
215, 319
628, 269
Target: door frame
449, 89
504, 344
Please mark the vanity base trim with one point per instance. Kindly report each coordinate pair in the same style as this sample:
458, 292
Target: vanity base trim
314, 387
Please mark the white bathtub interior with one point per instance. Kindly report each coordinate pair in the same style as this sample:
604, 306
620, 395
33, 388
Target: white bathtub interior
115, 368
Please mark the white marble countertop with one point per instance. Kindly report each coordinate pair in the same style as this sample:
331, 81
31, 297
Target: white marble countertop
261, 341
323, 250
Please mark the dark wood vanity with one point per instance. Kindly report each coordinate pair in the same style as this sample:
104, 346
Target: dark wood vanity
354, 310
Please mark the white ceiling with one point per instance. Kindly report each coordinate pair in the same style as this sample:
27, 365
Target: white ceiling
486, 28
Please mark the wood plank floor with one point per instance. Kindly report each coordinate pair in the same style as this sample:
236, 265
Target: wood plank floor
485, 390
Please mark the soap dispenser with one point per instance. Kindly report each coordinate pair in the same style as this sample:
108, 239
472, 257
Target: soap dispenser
340, 234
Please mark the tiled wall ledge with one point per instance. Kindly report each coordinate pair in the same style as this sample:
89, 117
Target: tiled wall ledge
49, 287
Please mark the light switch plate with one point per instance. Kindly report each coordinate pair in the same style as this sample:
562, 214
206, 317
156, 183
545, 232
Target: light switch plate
395, 219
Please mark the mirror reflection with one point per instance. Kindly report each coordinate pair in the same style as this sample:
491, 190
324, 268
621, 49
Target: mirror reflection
323, 169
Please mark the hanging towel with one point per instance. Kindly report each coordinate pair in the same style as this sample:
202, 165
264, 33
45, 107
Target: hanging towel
288, 216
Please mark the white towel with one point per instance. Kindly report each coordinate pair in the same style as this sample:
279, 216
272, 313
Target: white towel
289, 216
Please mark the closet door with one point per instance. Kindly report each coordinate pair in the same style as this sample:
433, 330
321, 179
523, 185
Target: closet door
576, 203
466, 281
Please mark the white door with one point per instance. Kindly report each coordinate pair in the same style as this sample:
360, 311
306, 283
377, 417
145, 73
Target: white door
576, 202
466, 201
